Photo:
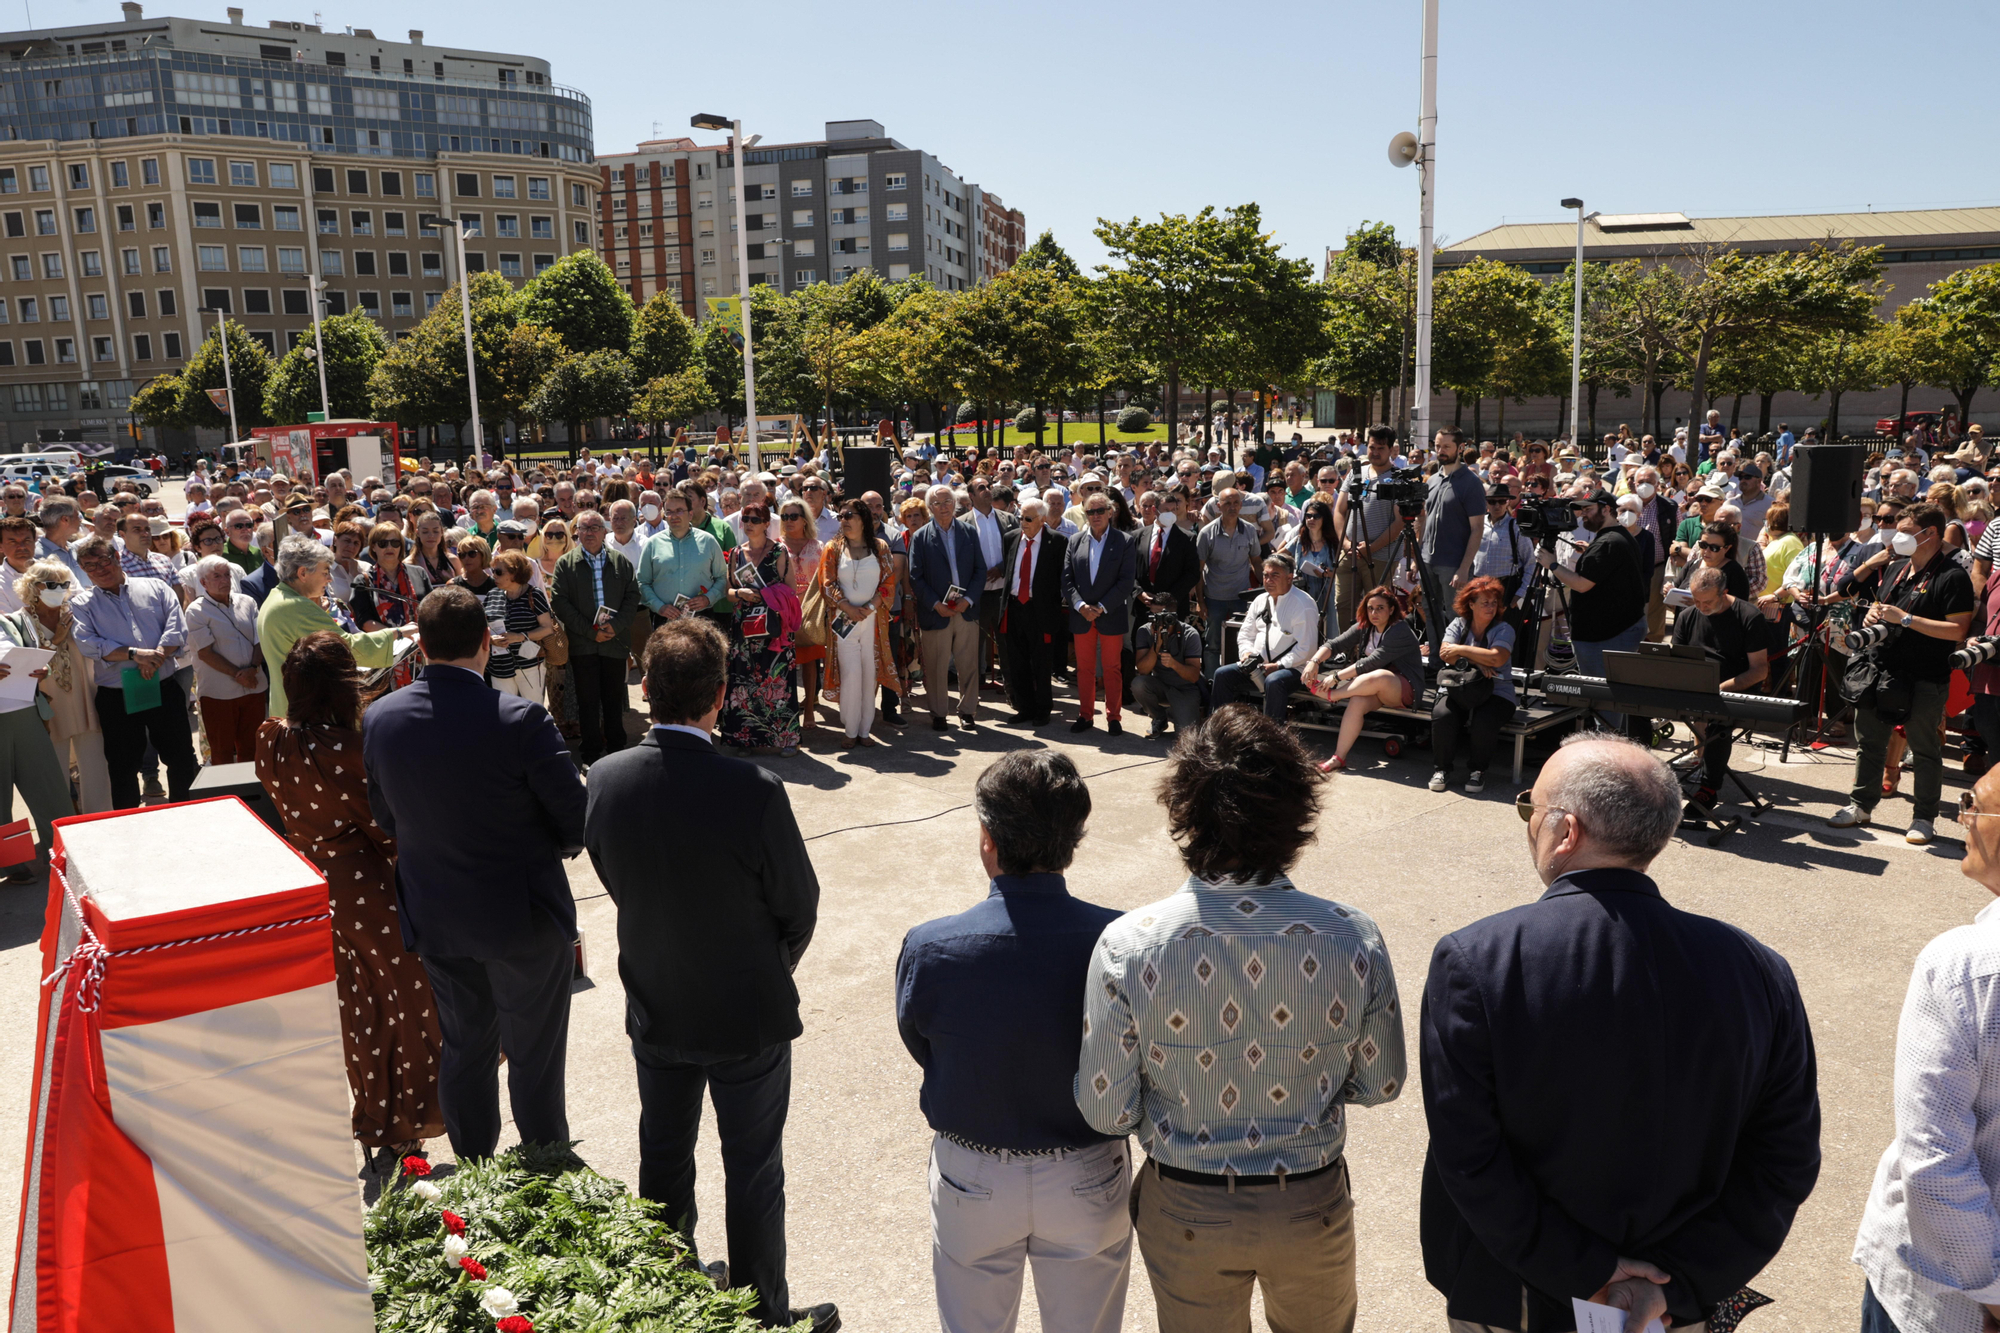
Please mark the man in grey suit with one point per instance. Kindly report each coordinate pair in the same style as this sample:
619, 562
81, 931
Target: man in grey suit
1098, 578
947, 575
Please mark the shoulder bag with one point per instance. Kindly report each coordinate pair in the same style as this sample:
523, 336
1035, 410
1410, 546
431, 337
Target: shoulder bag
812, 632
1465, 684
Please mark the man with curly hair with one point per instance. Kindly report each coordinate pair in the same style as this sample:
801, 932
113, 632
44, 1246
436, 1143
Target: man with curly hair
1229, 1026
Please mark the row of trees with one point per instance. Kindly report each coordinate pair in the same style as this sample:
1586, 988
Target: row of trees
1718, 324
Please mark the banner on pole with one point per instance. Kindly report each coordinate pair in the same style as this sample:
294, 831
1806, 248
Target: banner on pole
220, 397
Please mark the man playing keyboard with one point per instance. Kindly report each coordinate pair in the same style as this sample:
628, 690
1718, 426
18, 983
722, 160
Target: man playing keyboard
1732, 633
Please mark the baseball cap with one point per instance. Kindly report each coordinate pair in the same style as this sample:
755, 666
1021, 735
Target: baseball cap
511, 527
1600, 496
1710, 492
1749, 472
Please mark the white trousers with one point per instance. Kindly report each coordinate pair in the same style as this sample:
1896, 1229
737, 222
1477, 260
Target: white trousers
530, 682
857, 677
1066, 1215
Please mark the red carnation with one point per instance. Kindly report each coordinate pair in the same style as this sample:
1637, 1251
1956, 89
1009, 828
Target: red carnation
515, 1323
416, 1166
474, 1267
453, 1223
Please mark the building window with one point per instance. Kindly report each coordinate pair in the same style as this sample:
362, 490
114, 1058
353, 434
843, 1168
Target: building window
167, 302
433, 264
250, 217
392, 184
898, 272
291, 259
38, 177
142, 347
543, 263
579, 197
86, 219
156, 217
804, 248
217, 299
538, 187
256, 301
24, 269
400, 306
336, 303
399, 264
431, 301
331, 265
201, 171
803, 277
212, 258
16, 225
466, 184
45, 222
361, 223
129, 262
618, 205
58, 309
510, 266
207, 215
250, 259
475, 262
472, 224
38, 355
364, 263
9, 182
370, 303
171, 344
65, 351
295, 301
52, 266
392, 225
284, 217
100, 349
582, 232
126, 219
149, 173
899, 212
163, 259
542, 229
284, 176
503, 187
323, 180
899, 240
506, 224
97, 306
135, 303
357, 182
896, 180
243, 174
93, 264
427, 185
329, 222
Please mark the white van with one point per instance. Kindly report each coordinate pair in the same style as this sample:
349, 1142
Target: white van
37, 468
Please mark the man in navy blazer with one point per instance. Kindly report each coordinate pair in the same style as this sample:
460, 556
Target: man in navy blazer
484, 803
944, 554
1098, 578
1622, 1096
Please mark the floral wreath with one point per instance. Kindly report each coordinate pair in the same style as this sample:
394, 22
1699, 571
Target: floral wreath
498, 1302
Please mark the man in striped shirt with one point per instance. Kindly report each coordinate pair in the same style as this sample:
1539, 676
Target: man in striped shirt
1229, 1026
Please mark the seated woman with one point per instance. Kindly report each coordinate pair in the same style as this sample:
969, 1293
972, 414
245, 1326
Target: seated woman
1388, 671
1717, 550
1477, 638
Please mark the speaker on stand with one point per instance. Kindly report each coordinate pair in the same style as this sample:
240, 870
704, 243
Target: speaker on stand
865, 468
1826, 505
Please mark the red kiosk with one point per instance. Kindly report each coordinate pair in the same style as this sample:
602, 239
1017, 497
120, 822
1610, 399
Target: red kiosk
308, 453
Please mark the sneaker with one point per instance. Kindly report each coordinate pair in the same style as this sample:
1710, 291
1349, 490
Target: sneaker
1438, 780
1475, 783
1157, 730
1848, 816
1920, 832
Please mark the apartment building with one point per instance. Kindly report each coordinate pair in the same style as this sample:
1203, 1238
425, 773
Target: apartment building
154, 173
819, 211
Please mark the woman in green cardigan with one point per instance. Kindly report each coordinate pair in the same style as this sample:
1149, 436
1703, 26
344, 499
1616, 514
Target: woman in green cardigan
293, 611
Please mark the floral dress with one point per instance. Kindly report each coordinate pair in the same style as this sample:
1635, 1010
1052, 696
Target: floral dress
391, 598
759, 711
389, 1025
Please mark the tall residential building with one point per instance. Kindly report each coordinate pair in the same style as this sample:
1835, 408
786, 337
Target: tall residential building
818, 211
154, 169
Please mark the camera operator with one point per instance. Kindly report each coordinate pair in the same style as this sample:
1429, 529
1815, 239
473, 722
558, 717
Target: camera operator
1921, 591
1454, 521
1607, 605
1279, 635
1166, 673
1370, 528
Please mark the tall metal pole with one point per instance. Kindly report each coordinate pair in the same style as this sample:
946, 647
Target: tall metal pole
319, 347
228, 384
1576, 332
743, 286
1427, 187
471, 370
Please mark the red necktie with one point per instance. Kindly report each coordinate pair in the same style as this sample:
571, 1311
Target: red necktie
1159, 546
1027, 561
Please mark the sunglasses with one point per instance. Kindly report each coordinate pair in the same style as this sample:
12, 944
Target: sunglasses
1968, 809
387, 544
1525, 806
1711, 546
54, 583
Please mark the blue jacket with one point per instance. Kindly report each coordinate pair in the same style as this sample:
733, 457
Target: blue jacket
1117, 571
484, 803
1607, 1075
930, 572
257, 587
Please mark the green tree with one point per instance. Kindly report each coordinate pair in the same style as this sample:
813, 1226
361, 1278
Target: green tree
1482, 312
1375, 243
902, 358
719, 355
1909, 349
354, 344
580, 299
1370, 302
678, 397
662, 338
420, 380
1609, 358
584, 387
248, 371
526, 355
1966, 351
1016, 338
158, 403
1838, 362
1045, 253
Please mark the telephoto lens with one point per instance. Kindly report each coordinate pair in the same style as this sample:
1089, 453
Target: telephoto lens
1861, 640
1976, 652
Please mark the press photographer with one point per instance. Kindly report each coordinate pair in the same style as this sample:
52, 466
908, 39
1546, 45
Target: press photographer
1166, 672
1607, 604
1280, 632
1370, 528
1924, 599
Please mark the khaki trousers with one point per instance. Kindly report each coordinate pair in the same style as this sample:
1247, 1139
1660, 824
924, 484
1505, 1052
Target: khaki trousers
1205, 1245
1347, 588
956, 645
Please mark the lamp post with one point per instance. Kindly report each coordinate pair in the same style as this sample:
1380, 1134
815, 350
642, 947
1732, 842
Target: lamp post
1427, 186
737, 148
465, 309
1576, 327
228, 384
313, 285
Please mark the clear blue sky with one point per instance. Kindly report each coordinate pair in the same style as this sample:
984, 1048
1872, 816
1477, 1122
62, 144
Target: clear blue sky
1071, 111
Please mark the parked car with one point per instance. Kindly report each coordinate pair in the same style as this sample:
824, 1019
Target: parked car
1909, 421
113, 473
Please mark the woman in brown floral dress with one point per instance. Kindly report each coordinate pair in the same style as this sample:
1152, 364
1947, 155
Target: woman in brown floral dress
310, 763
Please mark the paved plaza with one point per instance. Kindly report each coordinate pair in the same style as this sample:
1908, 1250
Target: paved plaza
893, 839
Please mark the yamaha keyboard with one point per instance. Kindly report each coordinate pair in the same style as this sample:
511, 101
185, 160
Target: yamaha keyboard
1764, 711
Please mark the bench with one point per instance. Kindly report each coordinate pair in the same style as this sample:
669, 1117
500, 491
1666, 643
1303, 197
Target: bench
1312, 713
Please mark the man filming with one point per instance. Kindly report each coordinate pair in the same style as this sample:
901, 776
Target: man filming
1369, 527
1607, 605
1734, 634
1166, 672
1926, 598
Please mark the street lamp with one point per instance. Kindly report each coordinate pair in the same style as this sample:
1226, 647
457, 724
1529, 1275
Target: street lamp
314, 284
1576, 327
1420, 150
228, 384
737, 148
465, 308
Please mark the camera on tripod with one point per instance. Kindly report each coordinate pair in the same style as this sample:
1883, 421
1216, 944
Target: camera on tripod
1870, 636
1977, 651
1545, 520
1403, 487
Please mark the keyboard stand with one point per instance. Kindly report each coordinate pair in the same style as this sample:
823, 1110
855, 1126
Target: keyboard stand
1687, 767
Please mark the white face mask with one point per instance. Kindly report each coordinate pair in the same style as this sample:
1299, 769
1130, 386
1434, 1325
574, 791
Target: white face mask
1866, 526
1904, 544
1628, 518
651, 513
1647, 490
54, 596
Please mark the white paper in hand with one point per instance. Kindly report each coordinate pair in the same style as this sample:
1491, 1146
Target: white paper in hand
1592, 1318
19, 686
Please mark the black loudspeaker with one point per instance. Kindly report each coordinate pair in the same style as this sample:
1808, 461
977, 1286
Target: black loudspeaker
1826, 488
865, 468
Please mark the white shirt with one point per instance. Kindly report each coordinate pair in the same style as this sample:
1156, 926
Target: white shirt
1285, 632
950, 551
1930, 1234
827, 525
9, 601
631, 549
692, 731
1030, 549
987, 528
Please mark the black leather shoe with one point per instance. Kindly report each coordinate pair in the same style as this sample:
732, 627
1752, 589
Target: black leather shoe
1113, 727
1081, 724
968, 724
937, 723
825, 1318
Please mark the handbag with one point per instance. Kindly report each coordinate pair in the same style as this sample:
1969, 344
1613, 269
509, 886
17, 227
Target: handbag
812, 630
1465, 685
556, 646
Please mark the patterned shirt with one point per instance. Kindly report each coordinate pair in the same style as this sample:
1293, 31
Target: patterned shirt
1229, 1024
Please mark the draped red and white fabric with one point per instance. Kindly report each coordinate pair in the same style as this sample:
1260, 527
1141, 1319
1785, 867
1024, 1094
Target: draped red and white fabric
190, 1161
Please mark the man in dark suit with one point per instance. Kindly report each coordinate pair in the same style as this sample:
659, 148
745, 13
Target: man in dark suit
944, 554
1031, 617
1168, 565
1098, 576
479, 792
1622, 1096
991, 526
706, 950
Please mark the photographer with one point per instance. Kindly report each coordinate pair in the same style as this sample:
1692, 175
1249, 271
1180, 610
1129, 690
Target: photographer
1926, 598
1370, 528
1280, 632
1166, 667
1607, 605
1504, 550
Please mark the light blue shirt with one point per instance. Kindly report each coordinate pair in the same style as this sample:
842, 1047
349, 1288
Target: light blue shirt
1096, 554
690, 566
144, 613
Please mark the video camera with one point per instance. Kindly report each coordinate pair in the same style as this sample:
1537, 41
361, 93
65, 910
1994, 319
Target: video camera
1403, 487
1977, 651
1544, 521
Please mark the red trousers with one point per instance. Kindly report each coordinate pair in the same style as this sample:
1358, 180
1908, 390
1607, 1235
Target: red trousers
1093, 647
232, 725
